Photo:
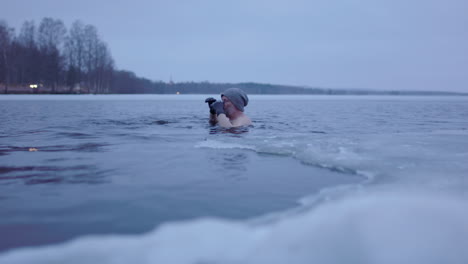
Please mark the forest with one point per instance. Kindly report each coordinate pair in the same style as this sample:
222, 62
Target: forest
51, 59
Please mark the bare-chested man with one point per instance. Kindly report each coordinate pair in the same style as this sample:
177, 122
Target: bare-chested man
230, 111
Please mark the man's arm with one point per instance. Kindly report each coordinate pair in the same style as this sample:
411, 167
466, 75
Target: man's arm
221, 118
224, 121
210, 101
213, 119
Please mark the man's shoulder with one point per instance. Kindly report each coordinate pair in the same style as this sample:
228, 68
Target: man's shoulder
242, 121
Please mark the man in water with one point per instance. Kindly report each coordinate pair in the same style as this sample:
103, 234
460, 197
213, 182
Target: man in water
230, 111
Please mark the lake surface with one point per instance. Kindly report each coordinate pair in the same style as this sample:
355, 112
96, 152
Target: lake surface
138, 178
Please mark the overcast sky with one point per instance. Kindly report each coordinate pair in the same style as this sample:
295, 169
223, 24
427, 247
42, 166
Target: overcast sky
370, 44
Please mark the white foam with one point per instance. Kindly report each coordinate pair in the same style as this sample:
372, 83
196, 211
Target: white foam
381, 227
406, 158
332, 154
214, 144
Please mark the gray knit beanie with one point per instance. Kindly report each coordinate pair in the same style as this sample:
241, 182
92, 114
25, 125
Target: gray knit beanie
237, 97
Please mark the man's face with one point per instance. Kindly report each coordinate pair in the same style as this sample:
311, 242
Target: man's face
229, 108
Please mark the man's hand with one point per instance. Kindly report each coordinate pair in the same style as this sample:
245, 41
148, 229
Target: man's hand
210, 101
217, 107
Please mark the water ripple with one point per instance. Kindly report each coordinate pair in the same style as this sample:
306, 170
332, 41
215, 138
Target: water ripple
30, 175
85, 147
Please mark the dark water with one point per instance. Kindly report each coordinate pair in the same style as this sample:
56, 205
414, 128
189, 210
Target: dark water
71, 166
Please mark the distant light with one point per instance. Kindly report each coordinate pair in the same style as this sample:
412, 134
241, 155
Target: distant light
32, 149
177, 93
33, 86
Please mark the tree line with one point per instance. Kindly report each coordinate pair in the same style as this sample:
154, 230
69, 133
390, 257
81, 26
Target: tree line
58, 60
48, 58
49, 55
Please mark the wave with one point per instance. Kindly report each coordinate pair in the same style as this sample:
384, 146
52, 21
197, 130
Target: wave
406, 158
213, 144
337, 159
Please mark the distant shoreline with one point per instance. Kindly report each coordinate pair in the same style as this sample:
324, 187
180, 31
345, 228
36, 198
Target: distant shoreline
216, 88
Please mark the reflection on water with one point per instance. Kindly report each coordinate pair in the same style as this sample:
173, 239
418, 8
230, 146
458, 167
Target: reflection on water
230, 164
30, 175
77, 135
232, 130
161, 122
235, 164
84, 147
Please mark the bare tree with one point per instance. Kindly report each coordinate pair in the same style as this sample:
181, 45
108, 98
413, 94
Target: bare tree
74, 50
97, 61
6, 37
51, 35
88, 59
27, 34
104, 68
28, 56
92, 42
